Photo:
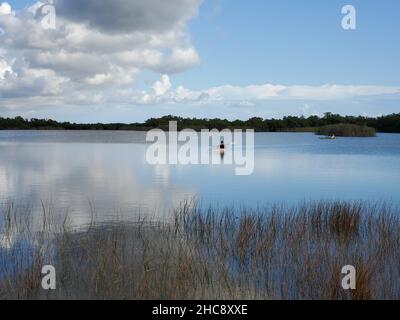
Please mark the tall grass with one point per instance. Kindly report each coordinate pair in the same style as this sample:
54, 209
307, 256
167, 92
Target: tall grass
347, 130
276, 252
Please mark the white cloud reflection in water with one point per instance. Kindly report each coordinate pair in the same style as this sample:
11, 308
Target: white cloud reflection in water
108, 170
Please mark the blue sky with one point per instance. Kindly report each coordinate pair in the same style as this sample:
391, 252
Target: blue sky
299, 45
296, 42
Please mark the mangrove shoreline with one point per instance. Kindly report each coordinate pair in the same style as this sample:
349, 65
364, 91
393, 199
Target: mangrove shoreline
387, 124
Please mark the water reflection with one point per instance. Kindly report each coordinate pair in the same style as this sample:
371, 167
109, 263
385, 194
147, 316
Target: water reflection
222, 154
73, 169
113, 177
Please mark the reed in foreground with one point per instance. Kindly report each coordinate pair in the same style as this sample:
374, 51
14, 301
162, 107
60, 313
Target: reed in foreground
273, 253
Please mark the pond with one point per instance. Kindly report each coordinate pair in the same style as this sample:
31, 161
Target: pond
108, 171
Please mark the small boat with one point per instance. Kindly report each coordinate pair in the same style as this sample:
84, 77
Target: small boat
333, 137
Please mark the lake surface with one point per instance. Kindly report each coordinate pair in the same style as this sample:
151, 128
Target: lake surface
71, 169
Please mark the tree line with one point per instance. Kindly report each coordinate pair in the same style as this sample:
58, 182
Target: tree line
388, 123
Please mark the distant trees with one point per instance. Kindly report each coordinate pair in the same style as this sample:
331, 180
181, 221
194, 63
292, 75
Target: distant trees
389, 123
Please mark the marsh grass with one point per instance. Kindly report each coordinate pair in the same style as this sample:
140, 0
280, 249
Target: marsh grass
346, 130
276, 252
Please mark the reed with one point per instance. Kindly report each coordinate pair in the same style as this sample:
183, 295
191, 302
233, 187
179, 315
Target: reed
276, 252
347, 130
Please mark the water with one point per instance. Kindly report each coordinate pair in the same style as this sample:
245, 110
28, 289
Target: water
108, 169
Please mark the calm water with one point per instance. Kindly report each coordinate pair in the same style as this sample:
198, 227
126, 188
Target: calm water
109, 169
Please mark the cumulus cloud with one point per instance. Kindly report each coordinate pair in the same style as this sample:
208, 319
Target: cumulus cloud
5, 8
31, 83
161, 87
5, 69
129, 15
96, 47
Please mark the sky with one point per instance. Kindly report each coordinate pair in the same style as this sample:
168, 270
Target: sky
131, 60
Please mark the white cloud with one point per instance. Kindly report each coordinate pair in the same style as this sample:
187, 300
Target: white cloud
5, 69
270, 91
96, 49
115, 76
5, 8
330, 92
97, 52
161, 87
246, 96
31, 83
181, 59
99, 79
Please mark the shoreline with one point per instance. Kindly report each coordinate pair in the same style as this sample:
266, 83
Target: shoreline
388, 124
295, 130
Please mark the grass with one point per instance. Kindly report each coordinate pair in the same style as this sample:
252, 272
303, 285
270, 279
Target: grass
347, 130
277, 252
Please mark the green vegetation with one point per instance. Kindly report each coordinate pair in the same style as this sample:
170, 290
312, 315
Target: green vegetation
347, 130
389, 123
274, 253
